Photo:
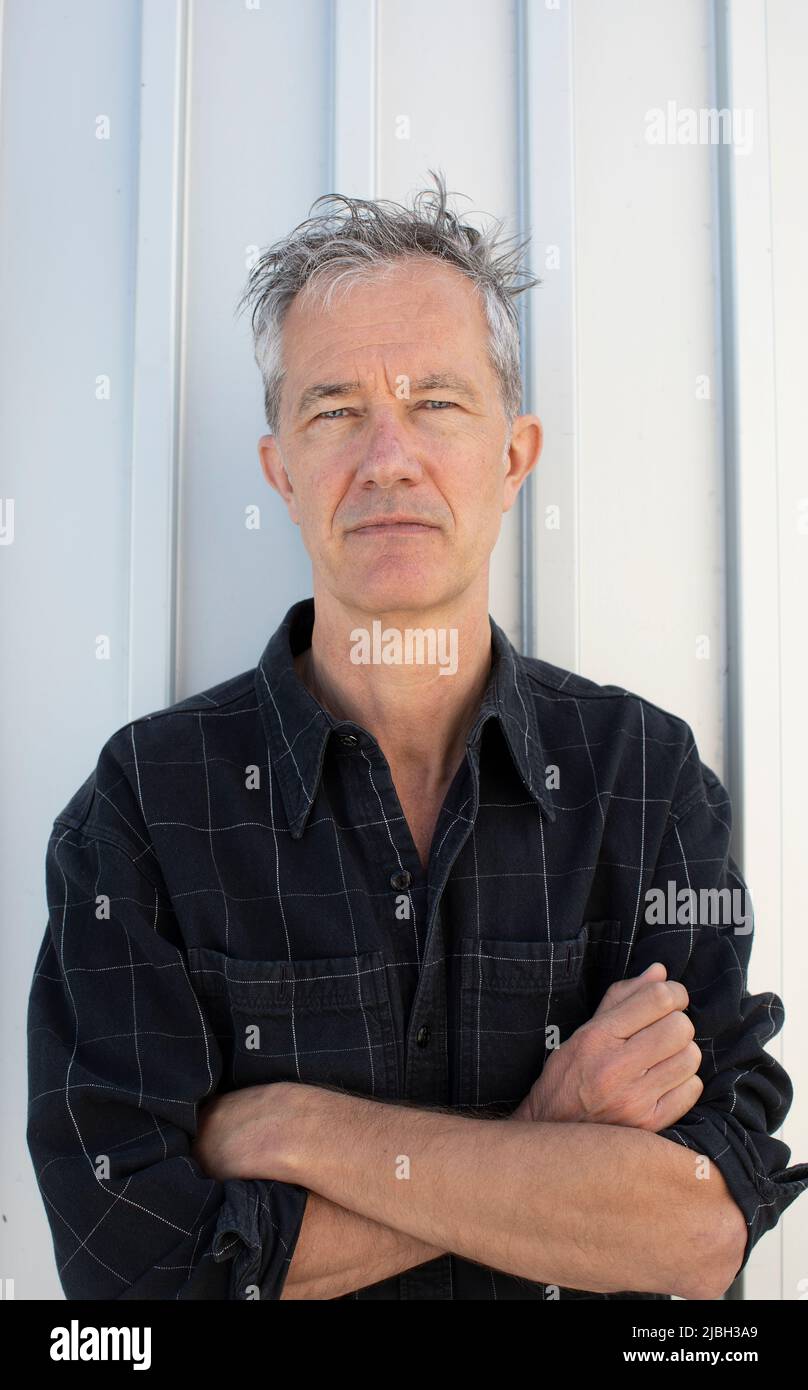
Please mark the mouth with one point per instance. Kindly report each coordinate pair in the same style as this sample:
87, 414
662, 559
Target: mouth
394, 528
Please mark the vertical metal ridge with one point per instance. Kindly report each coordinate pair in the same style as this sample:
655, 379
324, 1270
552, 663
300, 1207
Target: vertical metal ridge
754, 703
354, 98
550, 586
726, 331
527, 500
183, 179
153, 534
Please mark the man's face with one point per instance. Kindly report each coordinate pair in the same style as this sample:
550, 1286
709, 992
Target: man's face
416, 428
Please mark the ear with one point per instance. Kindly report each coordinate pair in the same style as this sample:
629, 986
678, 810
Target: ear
274, 470
527, 438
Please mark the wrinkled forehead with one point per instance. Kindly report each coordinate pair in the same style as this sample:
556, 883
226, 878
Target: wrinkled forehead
412, 319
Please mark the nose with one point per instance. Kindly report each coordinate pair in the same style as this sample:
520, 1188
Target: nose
387, 457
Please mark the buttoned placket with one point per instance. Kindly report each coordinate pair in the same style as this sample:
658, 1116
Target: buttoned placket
426, 1051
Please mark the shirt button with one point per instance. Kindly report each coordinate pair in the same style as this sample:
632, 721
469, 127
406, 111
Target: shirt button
402, 878
423, 1035
349, 740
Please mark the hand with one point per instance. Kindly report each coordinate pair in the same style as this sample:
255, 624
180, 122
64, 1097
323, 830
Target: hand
634, 1063
234, 1132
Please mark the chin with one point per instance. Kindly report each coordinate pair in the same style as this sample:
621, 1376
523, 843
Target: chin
382, 596
393, 583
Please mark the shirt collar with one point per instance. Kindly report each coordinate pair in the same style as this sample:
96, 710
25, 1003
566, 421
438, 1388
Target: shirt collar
298, 727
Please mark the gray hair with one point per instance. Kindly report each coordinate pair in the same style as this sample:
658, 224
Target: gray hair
364, 238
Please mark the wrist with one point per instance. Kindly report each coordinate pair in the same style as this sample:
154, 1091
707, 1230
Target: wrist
291, 1106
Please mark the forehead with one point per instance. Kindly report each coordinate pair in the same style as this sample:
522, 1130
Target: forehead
410, 303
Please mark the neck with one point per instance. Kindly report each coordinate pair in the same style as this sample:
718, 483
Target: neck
419, 717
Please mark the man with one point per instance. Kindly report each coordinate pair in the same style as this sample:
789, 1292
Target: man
368, 972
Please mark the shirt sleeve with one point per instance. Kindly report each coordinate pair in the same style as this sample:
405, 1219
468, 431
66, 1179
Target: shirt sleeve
120, 1056
705, 941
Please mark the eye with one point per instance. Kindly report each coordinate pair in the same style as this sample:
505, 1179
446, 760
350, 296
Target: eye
337, 411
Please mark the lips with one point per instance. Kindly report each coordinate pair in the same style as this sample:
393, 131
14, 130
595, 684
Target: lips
404, 527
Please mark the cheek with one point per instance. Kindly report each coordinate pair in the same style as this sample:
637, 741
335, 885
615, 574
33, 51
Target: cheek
318, 503
474, 468
475, 494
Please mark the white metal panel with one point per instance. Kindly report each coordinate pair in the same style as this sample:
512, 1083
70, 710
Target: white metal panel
67, 255
550, 563
650, 476
769, 212
355, 106
259, 145
787, 56
156, 366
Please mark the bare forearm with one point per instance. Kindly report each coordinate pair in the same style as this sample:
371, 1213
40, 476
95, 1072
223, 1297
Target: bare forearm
598, 1207
338, 1251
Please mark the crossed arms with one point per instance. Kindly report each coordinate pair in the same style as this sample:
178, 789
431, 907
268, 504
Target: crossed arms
575, 1188
123, 1064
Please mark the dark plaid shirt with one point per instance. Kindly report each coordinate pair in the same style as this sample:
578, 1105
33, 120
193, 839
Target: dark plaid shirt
235, 898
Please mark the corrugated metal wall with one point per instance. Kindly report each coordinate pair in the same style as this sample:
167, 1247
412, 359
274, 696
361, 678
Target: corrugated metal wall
165, 143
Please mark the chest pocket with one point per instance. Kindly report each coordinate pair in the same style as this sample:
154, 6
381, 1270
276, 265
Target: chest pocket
518, 999
321, 1022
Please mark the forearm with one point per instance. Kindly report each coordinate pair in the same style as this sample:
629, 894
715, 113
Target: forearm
338, 1251
598, 1207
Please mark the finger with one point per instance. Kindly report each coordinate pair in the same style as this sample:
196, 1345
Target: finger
672, 1071
657, 1042
621, 989
676, 1103
647, 1004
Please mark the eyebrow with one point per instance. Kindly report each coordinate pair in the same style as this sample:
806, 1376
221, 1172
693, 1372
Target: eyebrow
434, 381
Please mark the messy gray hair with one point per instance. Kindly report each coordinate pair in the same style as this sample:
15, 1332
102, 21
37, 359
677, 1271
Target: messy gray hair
363, 238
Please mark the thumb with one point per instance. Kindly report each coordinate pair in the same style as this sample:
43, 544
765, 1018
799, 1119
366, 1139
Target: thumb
623, 989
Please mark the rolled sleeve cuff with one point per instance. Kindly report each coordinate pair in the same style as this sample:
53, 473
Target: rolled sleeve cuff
257, 1229
752, 1165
